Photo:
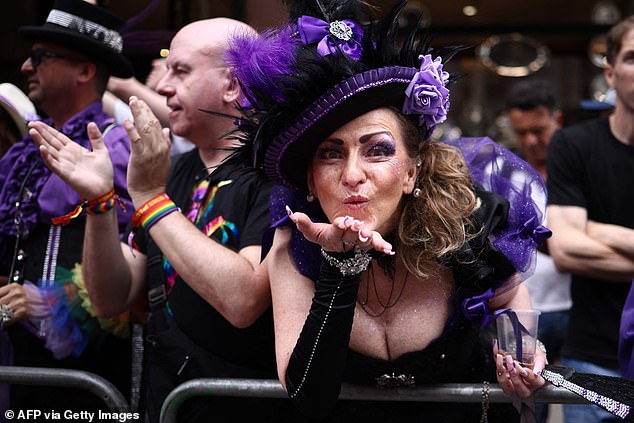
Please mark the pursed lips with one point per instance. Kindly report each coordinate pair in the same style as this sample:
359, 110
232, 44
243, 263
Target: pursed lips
356, 201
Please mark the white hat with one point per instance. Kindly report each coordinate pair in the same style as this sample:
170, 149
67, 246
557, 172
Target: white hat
18, 105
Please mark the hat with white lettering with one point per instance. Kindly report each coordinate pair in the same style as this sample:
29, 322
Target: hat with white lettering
86, 28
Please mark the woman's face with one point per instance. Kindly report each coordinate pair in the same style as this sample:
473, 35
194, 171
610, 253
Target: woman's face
362, 170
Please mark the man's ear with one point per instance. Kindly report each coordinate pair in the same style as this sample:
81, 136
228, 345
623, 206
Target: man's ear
232, 91
86, 71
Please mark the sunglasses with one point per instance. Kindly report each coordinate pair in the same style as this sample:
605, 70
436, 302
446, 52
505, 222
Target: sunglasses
37, 56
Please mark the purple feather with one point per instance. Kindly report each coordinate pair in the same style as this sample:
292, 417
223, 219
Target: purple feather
260, 62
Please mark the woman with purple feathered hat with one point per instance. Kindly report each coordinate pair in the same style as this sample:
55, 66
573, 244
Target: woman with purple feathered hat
391, 254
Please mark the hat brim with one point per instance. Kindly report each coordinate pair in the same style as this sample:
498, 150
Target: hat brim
287, 158
17, 105
20, 121
118, 64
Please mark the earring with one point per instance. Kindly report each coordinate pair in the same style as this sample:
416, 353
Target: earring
417, 191
310, 197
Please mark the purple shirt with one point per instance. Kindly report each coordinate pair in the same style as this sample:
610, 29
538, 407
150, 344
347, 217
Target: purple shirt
47, 195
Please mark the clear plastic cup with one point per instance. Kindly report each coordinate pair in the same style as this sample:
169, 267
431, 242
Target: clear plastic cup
507, 335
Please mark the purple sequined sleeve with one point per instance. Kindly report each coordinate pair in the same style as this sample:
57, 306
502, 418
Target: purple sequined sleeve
305, 254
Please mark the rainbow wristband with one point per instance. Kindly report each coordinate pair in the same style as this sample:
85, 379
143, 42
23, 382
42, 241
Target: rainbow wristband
102, 204
136, 218
153, 211
99, 205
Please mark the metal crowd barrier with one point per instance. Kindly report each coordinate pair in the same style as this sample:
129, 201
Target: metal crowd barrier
67, 378
454, 392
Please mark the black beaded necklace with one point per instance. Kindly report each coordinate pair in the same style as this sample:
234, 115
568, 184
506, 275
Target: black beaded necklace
388, 304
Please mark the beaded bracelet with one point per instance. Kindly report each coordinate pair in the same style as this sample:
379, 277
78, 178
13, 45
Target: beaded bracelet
102, 204
99, 205
349, 266
152, 211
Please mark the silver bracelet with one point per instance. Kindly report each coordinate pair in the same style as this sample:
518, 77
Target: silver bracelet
541, 346
350, 266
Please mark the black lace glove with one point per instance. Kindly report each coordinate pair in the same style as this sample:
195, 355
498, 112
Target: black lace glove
315, 369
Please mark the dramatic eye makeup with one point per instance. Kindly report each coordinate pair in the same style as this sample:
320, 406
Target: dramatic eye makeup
379, 145
382, 148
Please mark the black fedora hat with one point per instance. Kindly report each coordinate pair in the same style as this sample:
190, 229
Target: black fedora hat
86, 28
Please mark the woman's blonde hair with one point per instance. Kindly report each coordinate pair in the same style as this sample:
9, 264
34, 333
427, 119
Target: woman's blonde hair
440, 220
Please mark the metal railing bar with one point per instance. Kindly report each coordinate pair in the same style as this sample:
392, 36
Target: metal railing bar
455, 392
41, 376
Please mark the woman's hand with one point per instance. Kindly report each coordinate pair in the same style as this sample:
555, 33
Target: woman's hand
515, 379
89, 173
343, 234
149, 154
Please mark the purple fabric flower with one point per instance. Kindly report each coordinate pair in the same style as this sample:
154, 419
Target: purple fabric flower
426, 95
333, 37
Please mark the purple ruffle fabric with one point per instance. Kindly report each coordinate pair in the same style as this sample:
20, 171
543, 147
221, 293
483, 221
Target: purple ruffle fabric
47, 195
500, 171
14, 167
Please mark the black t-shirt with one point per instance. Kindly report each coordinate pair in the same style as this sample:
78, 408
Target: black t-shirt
588, 167
241, 202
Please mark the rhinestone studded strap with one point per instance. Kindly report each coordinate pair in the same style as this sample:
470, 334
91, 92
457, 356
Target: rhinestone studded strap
484, 418
616, 408
351, 265
315, 368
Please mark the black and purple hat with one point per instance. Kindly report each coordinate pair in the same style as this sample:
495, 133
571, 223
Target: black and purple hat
86, 28
331, 64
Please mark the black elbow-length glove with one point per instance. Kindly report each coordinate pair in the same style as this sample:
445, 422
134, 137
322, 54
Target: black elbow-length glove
315, 369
